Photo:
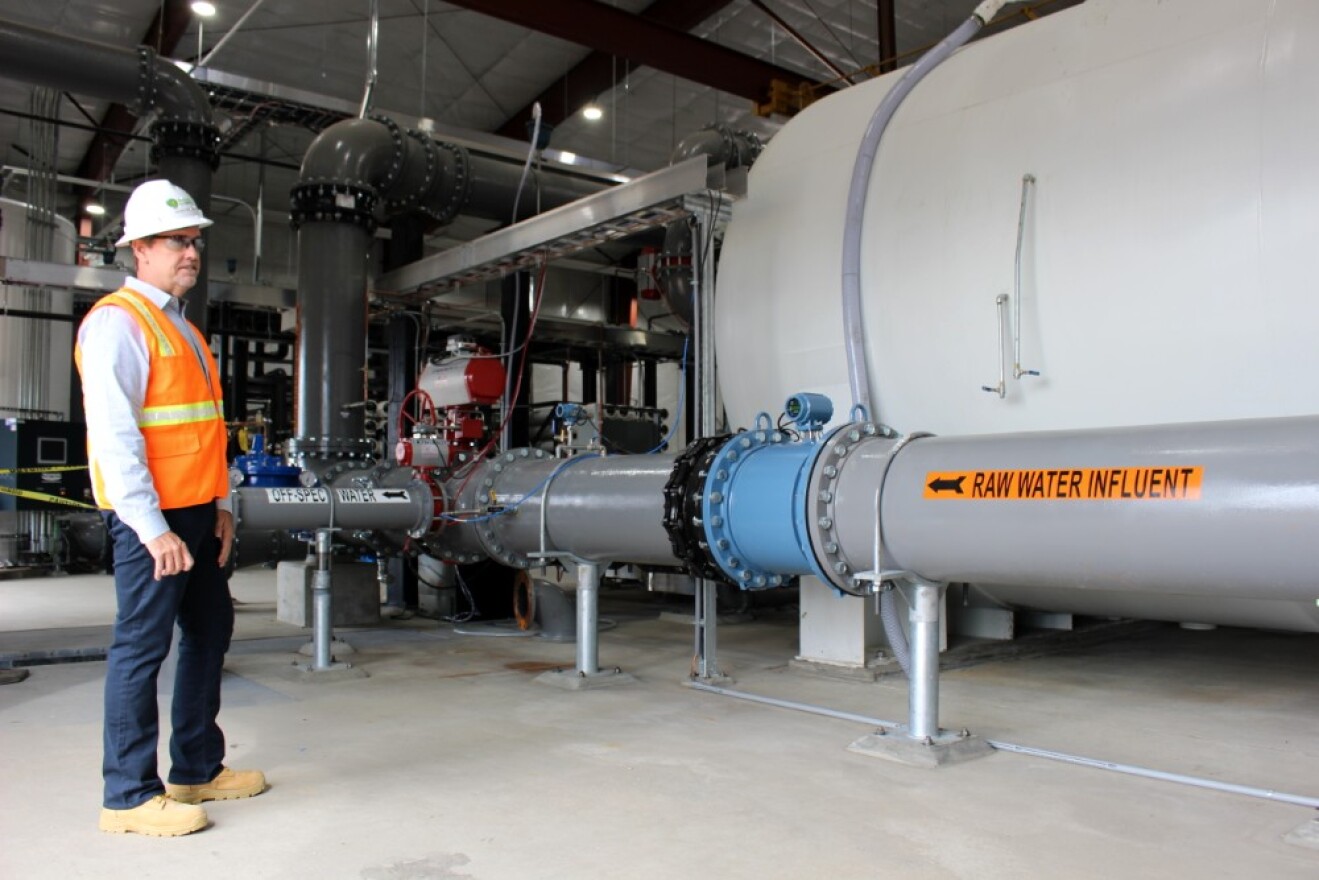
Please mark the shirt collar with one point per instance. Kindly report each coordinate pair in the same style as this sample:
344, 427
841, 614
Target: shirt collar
158, 297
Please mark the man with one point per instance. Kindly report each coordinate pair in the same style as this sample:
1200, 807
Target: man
156, 444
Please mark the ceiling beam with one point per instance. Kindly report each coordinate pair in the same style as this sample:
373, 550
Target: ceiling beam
595, 73
643, 42
163, 35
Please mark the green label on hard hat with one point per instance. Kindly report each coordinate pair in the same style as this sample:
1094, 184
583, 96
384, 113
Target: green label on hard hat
173, 203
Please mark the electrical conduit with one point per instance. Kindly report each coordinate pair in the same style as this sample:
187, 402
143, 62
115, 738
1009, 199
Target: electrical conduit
854, 338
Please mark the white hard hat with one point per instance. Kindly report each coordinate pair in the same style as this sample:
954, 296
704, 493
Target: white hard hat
159, 206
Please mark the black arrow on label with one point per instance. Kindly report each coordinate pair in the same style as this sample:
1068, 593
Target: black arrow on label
945, 485
396, 494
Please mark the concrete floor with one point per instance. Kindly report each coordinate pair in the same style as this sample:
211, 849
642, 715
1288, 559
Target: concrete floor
451, 761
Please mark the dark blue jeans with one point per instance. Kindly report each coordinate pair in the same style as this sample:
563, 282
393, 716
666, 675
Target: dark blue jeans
198, 600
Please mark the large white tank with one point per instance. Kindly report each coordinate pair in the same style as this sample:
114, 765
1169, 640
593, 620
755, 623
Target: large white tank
1170, 255
36, 355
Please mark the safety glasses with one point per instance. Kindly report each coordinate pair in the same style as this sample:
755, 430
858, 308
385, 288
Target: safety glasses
181, 242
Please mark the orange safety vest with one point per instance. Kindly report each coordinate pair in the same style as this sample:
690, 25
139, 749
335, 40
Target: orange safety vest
182, 418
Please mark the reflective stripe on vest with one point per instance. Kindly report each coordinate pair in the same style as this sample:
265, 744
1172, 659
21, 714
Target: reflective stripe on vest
178, 414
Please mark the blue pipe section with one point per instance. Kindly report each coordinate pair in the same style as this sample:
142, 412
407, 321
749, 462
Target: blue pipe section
754, 507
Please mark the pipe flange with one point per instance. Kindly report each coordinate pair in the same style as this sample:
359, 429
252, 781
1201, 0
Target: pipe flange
445, 212
183, 138
714, 506
432, 518
147, 90
416, 196
682, 507
328, 201
339, 449
340, 468
822, 492
396, 162
489, 529
452, 541
437, 546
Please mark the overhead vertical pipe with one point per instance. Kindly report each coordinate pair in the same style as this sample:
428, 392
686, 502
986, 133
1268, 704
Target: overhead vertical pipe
354, 172
185, 139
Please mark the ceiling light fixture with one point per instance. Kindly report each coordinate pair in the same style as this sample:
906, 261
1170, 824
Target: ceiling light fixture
203, 9
593, 112
96, 209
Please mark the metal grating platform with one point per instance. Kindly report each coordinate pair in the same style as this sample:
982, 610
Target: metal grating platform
647, 202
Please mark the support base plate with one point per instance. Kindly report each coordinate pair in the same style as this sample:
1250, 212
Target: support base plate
946, 748
335, 672
572, 680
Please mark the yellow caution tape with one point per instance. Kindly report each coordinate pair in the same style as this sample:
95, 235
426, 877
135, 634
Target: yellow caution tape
42, 496
44, 470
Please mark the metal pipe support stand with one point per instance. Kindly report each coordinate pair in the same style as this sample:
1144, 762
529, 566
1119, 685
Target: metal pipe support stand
706, 669
323, 666
921, 742
587, 675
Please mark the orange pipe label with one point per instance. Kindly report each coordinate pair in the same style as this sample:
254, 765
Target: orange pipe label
1174, 483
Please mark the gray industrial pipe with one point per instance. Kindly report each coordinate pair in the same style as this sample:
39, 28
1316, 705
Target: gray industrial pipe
494, 186
136, 77
599, 509
409, 509
720, 145
1219, 510
185, 139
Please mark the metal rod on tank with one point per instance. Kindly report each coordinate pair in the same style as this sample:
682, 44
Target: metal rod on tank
322, 634
1001, 389
923, 688
588, 618
1027, 184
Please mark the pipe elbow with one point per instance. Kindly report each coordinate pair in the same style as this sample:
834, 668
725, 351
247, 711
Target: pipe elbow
358, 152
177, 95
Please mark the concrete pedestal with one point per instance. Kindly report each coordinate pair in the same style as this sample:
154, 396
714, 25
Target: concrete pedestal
354, 591
841, 633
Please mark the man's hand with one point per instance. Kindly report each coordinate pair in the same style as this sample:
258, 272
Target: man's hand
224, 530
171, 554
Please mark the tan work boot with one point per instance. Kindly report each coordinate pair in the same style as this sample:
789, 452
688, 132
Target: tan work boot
230, 784
158, 817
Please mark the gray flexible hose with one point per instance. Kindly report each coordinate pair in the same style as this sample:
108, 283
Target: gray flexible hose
853, 331
891, 617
